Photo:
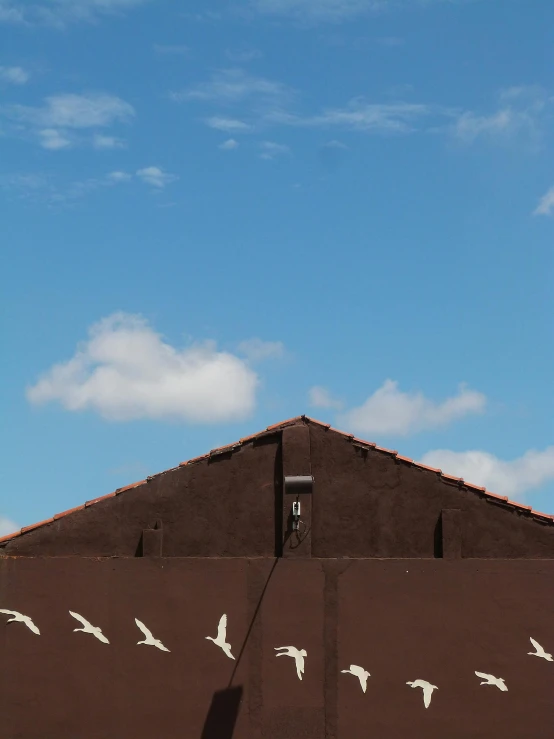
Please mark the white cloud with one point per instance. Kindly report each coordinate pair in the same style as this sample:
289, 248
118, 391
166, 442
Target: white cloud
229, 125
320, 397
229, 145
14, 75
60, 12
9, 13
126, 371
318, 10
91, 110
512, 478
243, 56
271, 150
390, 411
6, 525
156, 177
257, 350
118, 176
334, 144
519, 113
361, 116
236, 85
52, 139
546, 204
334, 11
99, 141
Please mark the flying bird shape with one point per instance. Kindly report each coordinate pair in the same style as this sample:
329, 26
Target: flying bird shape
539, 651
221, 636
427, 690
88, 628
360, 673
20, 618
298, 656
150, 641
498, 682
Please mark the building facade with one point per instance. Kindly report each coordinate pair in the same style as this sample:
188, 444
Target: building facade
303, 537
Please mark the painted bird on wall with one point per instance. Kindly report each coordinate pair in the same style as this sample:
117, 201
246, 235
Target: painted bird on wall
222, 636
360, 673
20, 618
298, 656
427, 690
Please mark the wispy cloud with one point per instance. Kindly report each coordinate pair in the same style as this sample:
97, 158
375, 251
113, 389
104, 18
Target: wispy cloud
318, 10
332, 11
156, 177
119, 176
359, 115
59, 13
100, 141
546, 204
126, 371
320, 397
257, 350
7, 526
272, 150
229, 125
41, 187
519, 113
391, 411
57, 122
52, 139
513, 478
229, 145
243, 56
231, 86
90, 110
14, 75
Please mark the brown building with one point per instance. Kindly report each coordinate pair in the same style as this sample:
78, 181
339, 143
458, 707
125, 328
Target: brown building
391, 566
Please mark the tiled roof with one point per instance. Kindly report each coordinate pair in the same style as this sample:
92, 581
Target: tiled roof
458, 481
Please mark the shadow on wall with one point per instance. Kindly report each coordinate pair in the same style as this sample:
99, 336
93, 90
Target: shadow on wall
222, 716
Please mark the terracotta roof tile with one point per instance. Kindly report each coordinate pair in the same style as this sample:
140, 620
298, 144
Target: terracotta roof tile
129, 487
69, 510
451, 478
431, 469
8, 537
223, 450
363, 442
97, 500
288, 422
544, 517
36, 525
404, 459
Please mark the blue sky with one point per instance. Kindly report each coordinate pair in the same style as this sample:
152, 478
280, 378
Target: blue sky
217, 218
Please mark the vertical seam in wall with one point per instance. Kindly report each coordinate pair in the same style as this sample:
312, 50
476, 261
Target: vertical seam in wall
330, 641
255, 587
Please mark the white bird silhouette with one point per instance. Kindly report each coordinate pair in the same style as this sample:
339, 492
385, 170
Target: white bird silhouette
427, 690
149, 641
298, 656
360, 673
539, 651
88, 628
20, 618
221, 636
498, 682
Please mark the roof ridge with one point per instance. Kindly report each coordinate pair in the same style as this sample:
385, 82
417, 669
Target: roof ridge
460, 482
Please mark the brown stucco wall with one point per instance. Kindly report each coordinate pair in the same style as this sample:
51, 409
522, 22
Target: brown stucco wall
438, 620
365, 503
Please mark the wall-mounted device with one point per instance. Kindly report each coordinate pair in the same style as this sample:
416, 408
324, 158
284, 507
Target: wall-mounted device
295, 515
